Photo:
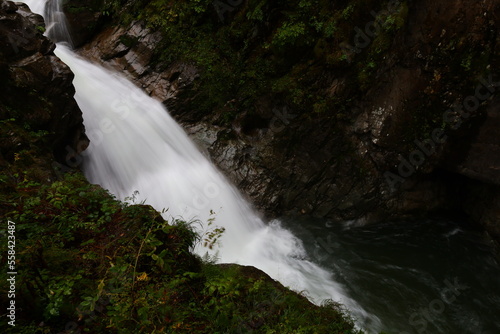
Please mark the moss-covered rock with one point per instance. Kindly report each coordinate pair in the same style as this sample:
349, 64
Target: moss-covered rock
36, 90
89, 262
85, 18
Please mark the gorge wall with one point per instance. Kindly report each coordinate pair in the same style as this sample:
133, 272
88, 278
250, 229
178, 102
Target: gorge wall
40, 120
373, 111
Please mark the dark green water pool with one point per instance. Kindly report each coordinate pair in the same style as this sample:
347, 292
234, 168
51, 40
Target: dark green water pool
416, 276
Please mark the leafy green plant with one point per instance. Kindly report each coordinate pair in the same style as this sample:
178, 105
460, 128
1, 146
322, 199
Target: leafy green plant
348, 11
289, 34
109, 266
212, 235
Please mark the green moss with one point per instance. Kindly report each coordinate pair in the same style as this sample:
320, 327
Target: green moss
348, 11
242, 58
128, 41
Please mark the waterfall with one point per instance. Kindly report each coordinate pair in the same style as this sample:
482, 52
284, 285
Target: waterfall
137, 149
55, 19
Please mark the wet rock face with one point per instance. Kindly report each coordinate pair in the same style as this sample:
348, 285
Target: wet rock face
85, 18
437, 82
20, 37
129, 50
477, 155
36, 87
427, 72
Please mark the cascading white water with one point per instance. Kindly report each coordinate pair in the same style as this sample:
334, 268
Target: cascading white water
136, 146
55, 20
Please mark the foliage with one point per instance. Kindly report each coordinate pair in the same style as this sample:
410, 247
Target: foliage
258, 43
289, 34
89, 262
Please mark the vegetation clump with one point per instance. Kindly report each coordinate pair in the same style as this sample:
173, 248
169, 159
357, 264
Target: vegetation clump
261, 48
90, 263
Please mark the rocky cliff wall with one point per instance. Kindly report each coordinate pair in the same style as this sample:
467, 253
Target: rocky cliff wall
401, 113
36, 90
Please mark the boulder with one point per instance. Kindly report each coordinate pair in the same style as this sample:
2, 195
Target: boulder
36, 89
